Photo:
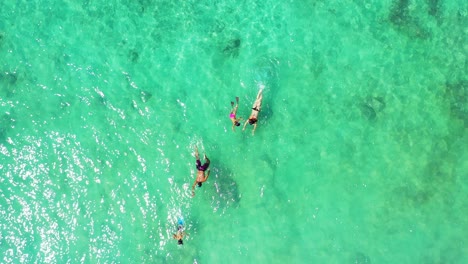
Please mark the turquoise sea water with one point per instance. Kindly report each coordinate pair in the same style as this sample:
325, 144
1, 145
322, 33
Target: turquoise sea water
360, 155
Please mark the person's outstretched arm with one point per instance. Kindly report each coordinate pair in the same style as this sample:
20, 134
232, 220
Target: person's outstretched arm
196, 153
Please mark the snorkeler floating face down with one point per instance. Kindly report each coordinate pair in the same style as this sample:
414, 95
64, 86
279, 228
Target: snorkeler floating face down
255, 110
232, 115
180, 235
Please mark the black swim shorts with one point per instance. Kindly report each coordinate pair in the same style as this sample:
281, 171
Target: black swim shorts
202, 167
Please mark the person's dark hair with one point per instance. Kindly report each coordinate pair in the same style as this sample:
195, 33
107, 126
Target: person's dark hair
237, 124
180, 242
199, 184
252, 121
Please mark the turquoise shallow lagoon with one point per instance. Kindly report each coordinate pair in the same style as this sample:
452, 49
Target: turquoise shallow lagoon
360, 154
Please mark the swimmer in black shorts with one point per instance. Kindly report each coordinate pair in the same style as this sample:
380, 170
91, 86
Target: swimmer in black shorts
201, 175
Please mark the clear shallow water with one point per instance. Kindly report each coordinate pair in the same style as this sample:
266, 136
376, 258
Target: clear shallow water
359, 157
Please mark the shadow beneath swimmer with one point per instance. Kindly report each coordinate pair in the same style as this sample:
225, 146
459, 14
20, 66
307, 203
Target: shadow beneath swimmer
265, 114
226, 190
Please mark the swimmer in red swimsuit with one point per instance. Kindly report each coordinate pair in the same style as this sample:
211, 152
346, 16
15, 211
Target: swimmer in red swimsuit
232, 115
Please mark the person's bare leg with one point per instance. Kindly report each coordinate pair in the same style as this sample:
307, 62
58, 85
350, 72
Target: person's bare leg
258, 101
196, 153
234, 108
260, 95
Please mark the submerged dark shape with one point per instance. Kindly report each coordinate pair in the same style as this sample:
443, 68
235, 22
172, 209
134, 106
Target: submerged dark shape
9, 78
218, 27
145, 96
372, 106
434, 7
399, 13
6, 124
227, 192
368, 112
133, 56
2, 134
413, 196
400, 17
361, 258
377, 102
102, 100
457, 95
8, 82
232, 48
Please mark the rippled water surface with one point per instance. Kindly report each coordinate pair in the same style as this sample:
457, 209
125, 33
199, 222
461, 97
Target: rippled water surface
359, 155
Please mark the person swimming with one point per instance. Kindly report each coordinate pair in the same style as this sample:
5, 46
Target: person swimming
232, 115
179, 236
201, 175
253, 118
